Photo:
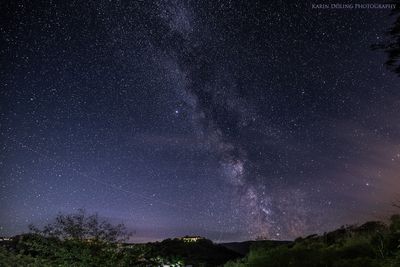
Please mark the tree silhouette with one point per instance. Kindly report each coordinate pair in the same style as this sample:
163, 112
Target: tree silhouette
392, 47
83, 227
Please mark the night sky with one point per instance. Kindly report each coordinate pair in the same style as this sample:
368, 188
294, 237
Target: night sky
233, 120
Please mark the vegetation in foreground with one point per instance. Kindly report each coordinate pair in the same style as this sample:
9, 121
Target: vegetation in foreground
82, 240
369, 245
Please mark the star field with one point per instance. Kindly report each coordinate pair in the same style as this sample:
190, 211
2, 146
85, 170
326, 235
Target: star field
230, 120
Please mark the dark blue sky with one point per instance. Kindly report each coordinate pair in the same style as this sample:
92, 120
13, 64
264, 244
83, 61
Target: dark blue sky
231, 120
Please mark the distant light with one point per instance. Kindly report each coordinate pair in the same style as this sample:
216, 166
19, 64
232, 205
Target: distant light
191, 239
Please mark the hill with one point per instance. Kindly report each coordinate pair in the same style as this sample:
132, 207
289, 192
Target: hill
373, 244
244, 247
31, 249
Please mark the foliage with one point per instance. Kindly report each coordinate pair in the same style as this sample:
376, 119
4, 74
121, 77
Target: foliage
37, 250
71, 242
70, 252
83, 227
8, 258
392, 46
202, 252
84, 240
372, 244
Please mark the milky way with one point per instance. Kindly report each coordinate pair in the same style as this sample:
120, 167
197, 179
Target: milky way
234, 121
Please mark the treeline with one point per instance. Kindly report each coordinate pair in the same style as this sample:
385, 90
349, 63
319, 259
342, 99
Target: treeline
35, 250
85, 240
373, 244
82, 240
